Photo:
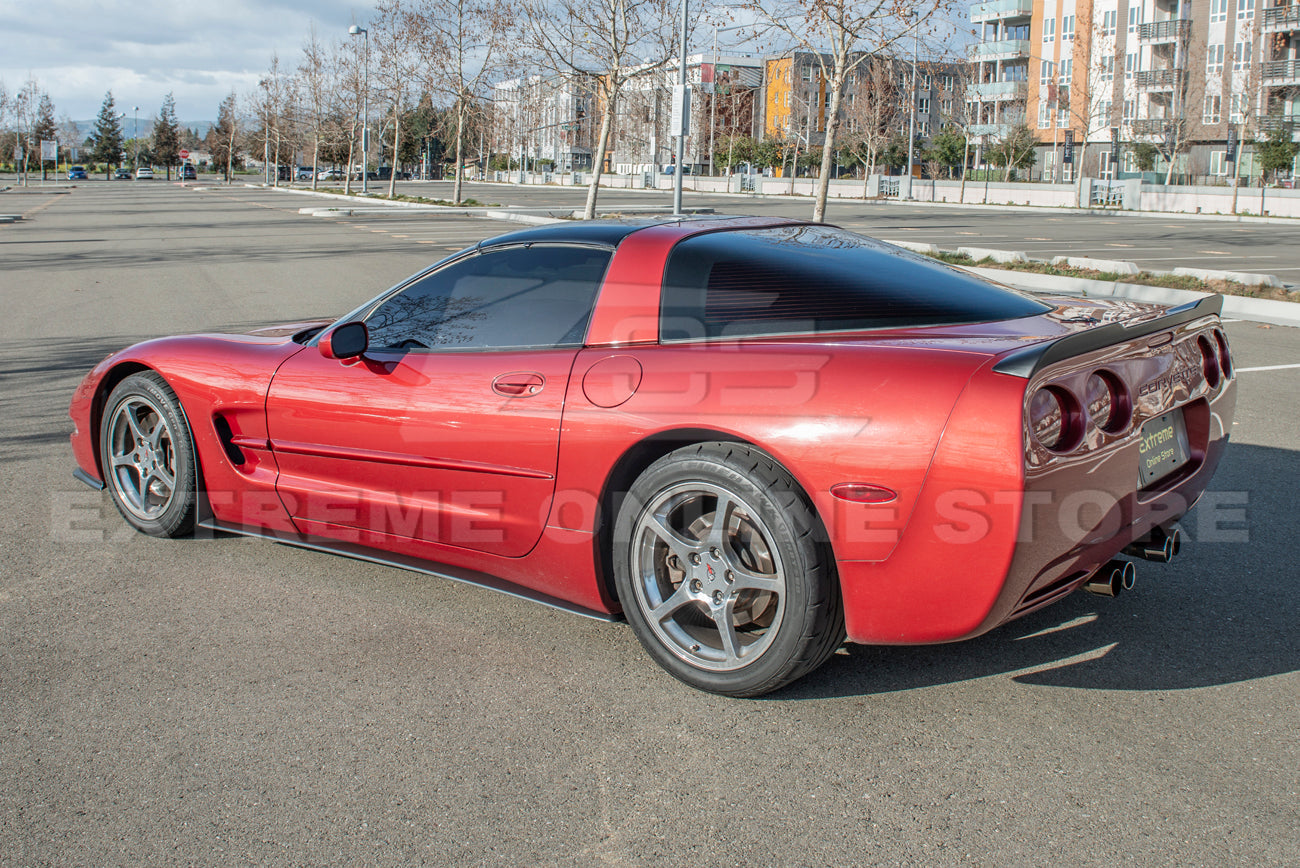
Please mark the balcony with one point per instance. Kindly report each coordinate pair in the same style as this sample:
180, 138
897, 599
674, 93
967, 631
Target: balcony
1281, 72
1000, 10
1286, 123
1160, 79
996, 91
1282, 19
1002, 49
1158, 32
1151, 126
995, 130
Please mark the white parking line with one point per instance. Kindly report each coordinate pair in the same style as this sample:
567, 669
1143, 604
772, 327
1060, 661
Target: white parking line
1267, 368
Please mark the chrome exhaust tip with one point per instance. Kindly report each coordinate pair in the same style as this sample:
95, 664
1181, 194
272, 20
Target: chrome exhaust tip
1112, 578
1160, 546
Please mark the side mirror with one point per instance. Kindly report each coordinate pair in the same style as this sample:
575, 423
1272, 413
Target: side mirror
345, 342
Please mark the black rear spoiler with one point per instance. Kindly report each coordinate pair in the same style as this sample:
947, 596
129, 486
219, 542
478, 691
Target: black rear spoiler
1029, 361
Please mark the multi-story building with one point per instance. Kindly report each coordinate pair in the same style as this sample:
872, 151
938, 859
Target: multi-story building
1174, 74
545, 120
723, 89
796, 98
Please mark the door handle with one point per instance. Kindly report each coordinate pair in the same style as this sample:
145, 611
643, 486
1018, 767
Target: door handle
519, 384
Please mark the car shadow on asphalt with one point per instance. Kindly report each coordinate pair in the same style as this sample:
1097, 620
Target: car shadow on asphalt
1224, 612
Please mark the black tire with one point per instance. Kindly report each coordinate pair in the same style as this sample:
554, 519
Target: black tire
740, 612
146, 451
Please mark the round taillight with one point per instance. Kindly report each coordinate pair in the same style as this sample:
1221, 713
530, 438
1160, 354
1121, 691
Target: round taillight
1106, 400
1051, 417
1209, 361
1225, 355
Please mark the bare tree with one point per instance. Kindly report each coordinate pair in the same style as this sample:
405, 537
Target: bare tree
871, 115
460, 44
316, 85
842, 35
398, 65
349, 70
608, 42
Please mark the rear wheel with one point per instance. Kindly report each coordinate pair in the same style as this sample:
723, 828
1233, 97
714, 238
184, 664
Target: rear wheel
721, 573
148, 457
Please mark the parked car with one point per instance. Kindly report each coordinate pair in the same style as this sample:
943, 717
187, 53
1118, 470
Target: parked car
304, 173
751, 437
77, 173
144, 173
330, 175
121, 174
188, 172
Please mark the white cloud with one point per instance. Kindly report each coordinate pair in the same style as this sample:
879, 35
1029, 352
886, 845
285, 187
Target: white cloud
141, 51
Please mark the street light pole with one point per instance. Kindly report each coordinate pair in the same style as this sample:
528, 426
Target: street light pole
683, 109
911, 116
354, 30
135, 134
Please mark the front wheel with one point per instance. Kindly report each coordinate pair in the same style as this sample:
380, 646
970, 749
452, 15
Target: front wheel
148, 457
721, 571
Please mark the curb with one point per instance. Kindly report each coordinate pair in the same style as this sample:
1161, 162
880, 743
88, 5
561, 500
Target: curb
1285, 313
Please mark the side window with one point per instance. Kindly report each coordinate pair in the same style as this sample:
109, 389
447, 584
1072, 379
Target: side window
538, 296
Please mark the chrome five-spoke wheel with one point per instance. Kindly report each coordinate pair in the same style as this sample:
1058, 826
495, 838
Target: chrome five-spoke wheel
147, 456
142, 457
707, 576
724, 572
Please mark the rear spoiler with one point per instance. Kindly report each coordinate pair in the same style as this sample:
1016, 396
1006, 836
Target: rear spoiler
1029, 361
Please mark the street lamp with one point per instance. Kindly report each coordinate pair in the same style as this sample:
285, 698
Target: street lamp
355, 30
135, 134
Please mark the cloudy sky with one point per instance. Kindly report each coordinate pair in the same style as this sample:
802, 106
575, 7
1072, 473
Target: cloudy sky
145, 49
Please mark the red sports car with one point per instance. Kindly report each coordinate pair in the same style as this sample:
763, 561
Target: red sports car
752, 438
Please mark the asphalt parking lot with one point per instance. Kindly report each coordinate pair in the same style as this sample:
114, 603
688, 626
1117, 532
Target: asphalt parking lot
229, 701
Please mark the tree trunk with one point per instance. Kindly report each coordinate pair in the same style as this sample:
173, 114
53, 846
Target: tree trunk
460, 140
606, 123
828, 149
965, 161
347, 174
315, 159
1079, 166
397, 138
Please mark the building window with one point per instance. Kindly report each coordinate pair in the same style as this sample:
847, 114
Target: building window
945, 108
1108, 22
1044, 117
947, 82
1130, 110
1063, 115
1067, 28
925, 128
928, 81
1218, 165
1218, 10
1049, 29
1134, 17
923, 105
1245, 9
1108, 68
1103, 113
1046, 72
1241, 56
1213, 107
1214, 63
1130, 65
1237, 109
1067, 70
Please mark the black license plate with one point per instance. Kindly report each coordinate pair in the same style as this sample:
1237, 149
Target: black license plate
1163, 447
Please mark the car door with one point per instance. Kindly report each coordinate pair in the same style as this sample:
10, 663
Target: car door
447, 429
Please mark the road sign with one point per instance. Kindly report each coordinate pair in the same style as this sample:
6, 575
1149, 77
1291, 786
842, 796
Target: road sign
1231, 155
1114, 146
680, 118
1067, 152
49, 150
184, 155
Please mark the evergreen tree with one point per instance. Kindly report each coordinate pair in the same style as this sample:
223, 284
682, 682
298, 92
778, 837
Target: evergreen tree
223, 139
1277, 153
46, 130
107, 136
167, 136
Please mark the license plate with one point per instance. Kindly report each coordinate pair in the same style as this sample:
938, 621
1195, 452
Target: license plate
1163, 447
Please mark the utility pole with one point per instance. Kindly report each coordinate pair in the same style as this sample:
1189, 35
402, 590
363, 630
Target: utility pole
682, 107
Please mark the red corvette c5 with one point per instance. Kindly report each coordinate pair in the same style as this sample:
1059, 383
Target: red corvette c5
752, 438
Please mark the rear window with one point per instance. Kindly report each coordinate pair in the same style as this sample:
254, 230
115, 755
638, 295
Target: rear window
809, 279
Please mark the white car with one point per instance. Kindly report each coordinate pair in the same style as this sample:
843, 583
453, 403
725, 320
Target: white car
329, 175
144, 173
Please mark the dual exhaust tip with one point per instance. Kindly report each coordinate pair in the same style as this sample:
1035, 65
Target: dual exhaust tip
1161, 545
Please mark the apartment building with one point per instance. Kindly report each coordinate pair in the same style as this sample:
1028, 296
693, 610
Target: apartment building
796, 97
550, 120
1175, 74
